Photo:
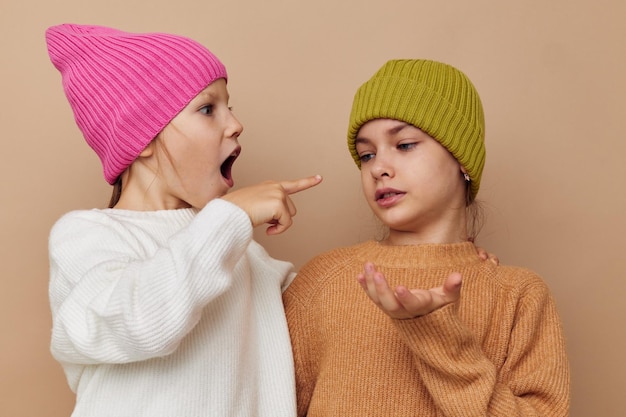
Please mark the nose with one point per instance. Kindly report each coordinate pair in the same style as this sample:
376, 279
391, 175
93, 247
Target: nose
381, 166
235, 127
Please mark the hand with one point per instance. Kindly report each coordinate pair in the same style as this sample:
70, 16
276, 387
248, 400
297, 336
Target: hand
269, 202
404, 303
487, 256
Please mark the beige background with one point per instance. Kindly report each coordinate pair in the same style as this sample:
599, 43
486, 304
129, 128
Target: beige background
551, 75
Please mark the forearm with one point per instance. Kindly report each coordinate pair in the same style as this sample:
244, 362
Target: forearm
463, 381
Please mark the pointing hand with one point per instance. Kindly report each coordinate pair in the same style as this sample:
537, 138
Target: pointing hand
269, 202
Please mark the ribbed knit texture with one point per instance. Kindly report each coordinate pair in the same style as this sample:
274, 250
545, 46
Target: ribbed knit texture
435, 97
499, 351
170, 313
124, 88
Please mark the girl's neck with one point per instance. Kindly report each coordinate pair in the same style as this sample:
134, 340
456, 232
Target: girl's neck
449, 233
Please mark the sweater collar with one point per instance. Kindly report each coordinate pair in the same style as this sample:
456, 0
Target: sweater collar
426, 255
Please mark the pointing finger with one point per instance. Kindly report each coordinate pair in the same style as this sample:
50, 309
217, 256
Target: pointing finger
294, 186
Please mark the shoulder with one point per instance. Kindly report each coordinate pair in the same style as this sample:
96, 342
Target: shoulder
523, 282
78, 222
336, 265
83, 234
327, 263
92, 233
101, 223
78, 241
517, 276
258, 255
79, 215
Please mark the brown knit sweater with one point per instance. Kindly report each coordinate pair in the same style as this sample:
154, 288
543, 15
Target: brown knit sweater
499, 351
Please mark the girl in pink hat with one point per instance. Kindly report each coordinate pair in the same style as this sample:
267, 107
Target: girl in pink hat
163, 304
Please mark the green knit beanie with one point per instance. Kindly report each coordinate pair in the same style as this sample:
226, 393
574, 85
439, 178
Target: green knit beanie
434, 97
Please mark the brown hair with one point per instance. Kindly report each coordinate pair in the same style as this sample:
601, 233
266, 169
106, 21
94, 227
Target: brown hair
117, 192
475, 213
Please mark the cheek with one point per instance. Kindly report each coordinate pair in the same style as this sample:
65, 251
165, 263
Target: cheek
200, 169
430, 179
444, 166
446, 183
367, 184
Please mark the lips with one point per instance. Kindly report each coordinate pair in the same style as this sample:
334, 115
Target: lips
386, 193
387, 196
227, 166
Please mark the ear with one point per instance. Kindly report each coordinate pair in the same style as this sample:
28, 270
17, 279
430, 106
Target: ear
148, 151
465, 174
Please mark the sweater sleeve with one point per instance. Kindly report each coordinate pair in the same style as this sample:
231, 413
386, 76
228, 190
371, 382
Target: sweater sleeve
111, 304
533, 381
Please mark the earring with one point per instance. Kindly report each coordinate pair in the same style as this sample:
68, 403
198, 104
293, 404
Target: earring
466, 176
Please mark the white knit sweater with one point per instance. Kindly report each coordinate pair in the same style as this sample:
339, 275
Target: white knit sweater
170, 313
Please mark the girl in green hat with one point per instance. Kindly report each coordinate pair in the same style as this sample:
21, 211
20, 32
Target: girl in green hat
435, 329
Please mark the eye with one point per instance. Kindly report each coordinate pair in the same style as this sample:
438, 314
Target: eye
407, 146
208, 109
366, 156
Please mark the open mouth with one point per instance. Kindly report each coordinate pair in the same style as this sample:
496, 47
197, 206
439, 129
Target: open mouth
388, 197
387, 194
227, 166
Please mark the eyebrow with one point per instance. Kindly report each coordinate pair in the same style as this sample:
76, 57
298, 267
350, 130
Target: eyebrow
208, 95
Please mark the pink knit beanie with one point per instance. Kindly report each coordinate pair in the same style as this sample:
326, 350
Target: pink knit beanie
124, 88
